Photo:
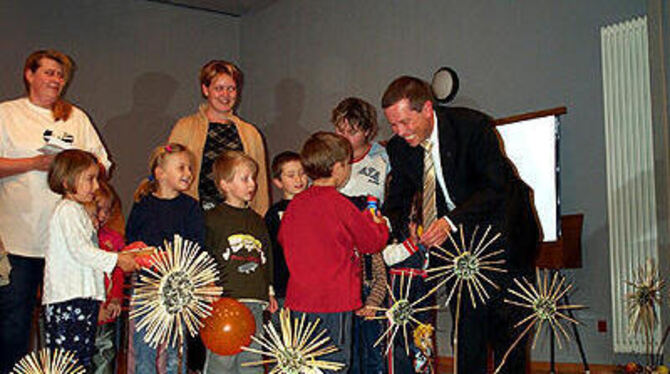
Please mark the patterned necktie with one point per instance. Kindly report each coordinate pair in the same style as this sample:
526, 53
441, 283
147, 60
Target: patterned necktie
429, 208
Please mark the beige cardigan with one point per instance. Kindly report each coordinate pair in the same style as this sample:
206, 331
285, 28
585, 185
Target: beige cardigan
191, 131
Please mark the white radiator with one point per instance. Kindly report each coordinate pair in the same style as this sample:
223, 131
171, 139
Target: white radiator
631, 198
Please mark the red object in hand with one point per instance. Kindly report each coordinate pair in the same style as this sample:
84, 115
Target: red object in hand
142, 253
229, 328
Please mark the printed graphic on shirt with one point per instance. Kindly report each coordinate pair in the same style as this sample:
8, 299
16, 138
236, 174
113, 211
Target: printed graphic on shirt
368, 177
56, 143
372, 174
48, 135
246, 250
207, 205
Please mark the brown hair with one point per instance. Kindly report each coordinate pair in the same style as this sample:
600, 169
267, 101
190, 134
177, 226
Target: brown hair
225, 165
280, 160
321, 151
61, 109
413, 89
33, 63
106, 192
157, 158
358, 113
215, 67
66, 168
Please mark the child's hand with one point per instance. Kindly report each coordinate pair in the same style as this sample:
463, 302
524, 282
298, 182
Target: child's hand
102, 314
376, 216
126, 262
142, 253
134, 245
413, 232
114, 308
366, 312
274, 305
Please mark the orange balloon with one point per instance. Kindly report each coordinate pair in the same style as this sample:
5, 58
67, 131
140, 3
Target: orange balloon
229, 328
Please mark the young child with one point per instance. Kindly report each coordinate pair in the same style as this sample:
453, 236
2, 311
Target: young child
321, 232
356, 120
289, 176
160, 211
103, 360
409, 259
238, 240
74, 265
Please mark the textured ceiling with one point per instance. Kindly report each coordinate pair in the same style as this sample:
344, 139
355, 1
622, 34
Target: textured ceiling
234, 8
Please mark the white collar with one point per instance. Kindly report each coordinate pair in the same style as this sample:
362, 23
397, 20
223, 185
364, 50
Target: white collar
434, 138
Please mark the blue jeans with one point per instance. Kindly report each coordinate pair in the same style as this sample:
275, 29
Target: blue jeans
339, 331
365, 357
148, 361
232, 364
17, 302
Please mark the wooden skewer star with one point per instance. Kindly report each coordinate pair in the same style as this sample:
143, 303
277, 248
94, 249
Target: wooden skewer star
295, 349
466, 266
643, 300
400, 314
175, 293
544, 300
47, 362
643, 303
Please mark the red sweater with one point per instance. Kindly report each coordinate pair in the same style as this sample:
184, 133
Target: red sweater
319, 232
111, 241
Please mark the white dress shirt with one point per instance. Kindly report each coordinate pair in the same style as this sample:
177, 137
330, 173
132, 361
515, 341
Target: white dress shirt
437, 163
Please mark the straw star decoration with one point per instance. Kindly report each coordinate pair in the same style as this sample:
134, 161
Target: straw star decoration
643, 303
175, 293
401, 313
644, 299
46, 362
295, 349
467, 265
544, 301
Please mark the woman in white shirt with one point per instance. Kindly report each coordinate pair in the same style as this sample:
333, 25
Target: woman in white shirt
30, 128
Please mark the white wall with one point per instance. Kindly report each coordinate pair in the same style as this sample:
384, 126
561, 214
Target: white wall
302, 57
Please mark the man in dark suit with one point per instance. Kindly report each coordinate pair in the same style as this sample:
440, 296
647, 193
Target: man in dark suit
475, 185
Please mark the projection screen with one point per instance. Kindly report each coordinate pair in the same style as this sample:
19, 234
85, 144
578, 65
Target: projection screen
532, 145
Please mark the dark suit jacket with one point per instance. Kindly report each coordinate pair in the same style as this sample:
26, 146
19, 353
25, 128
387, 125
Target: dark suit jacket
481, 181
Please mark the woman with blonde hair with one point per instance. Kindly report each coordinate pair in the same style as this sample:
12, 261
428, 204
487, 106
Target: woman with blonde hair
215, 128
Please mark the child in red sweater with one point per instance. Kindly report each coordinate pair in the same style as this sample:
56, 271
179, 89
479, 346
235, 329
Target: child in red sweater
320, 232
100, 210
